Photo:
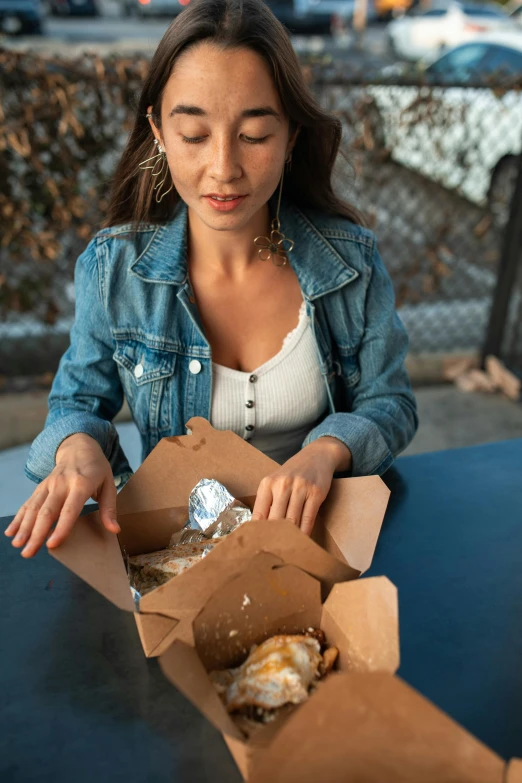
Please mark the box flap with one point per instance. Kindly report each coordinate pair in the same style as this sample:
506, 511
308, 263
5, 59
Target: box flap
149, 531
514, 771
371, 728
181, 666
94, 554
362, 619
153, 503
174, 467
154, 630
352, 516
241, 753
268, 598
184, 596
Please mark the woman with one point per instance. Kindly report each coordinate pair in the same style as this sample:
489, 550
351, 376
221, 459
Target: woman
228, 282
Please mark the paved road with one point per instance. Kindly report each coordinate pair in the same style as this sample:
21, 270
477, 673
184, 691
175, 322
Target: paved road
115, 33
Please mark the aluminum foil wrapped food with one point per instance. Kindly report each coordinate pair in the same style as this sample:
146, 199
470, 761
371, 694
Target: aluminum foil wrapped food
213, 513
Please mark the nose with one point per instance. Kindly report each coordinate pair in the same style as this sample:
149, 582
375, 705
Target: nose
224, 164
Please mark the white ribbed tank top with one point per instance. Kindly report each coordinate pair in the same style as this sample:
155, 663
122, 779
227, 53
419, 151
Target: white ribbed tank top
276, 405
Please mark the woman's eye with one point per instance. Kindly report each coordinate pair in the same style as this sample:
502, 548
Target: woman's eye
199, 139
252, 140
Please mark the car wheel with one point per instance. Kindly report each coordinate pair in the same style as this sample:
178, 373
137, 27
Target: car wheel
502, 188
11, 24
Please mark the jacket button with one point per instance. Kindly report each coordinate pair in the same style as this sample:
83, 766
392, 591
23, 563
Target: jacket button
253, 378
249, 403
138, 371
195, 366
249, 427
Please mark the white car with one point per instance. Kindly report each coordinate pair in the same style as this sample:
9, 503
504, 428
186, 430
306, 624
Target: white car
466, 138
422, 33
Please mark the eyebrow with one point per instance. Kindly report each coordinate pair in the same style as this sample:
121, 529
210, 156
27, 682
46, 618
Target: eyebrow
196, 111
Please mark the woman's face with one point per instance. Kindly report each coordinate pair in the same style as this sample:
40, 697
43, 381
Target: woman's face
224, 132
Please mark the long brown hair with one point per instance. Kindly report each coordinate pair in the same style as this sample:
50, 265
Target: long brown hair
231, 24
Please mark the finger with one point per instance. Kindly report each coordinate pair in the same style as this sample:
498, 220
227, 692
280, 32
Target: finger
70, 512
281, 493
107, 505
263, 501
310, 510
296, 505
32, 508
45, 519
16, 521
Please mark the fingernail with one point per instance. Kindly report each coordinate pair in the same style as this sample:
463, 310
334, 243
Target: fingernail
18, 540
115, 525
51, 541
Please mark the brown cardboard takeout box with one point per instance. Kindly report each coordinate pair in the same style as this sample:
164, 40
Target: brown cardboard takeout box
154, 504
361, 724
359, 617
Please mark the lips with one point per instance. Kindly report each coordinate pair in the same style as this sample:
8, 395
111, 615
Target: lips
228, 204
224, 195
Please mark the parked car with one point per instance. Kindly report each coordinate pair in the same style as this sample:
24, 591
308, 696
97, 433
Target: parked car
466, 138
296, 16
388, 9
169, 8
516, 15
21, 17
338, 13
300, 19
422, 33
74, 7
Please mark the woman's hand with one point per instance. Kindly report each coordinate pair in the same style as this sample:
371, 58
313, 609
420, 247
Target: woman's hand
298, 488
82, 471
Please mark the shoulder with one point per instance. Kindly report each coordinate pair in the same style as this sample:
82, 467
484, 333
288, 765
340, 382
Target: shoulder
117, 248
353, 246
339, 227
137, 236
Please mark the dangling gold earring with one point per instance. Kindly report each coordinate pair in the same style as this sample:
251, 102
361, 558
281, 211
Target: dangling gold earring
159, 170
277, 244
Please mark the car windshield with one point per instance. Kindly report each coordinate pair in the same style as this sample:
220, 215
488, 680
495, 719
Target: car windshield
477, 10
461, 64
502, 60
427, 14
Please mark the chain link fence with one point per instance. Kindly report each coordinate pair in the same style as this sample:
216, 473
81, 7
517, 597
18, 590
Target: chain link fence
433, 167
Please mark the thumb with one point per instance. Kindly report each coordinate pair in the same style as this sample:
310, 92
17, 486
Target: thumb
107, 505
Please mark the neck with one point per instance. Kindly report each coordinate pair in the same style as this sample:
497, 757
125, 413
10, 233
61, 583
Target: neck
226, 253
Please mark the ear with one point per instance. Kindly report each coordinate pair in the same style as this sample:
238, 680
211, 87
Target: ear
155, 131
292, 140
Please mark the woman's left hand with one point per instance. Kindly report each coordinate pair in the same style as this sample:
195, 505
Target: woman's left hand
298, 488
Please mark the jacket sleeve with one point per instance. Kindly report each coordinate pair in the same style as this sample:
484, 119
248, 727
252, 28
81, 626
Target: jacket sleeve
86, 393
384, 418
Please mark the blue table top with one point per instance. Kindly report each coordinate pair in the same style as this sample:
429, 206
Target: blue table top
452, 544
79, 702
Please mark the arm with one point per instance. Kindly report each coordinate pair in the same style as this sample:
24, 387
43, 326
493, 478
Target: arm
384, 416
86, 393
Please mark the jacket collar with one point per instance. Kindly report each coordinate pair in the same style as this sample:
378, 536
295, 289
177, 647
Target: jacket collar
320, 269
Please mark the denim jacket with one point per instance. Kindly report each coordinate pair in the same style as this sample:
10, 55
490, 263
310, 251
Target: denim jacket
137, 332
